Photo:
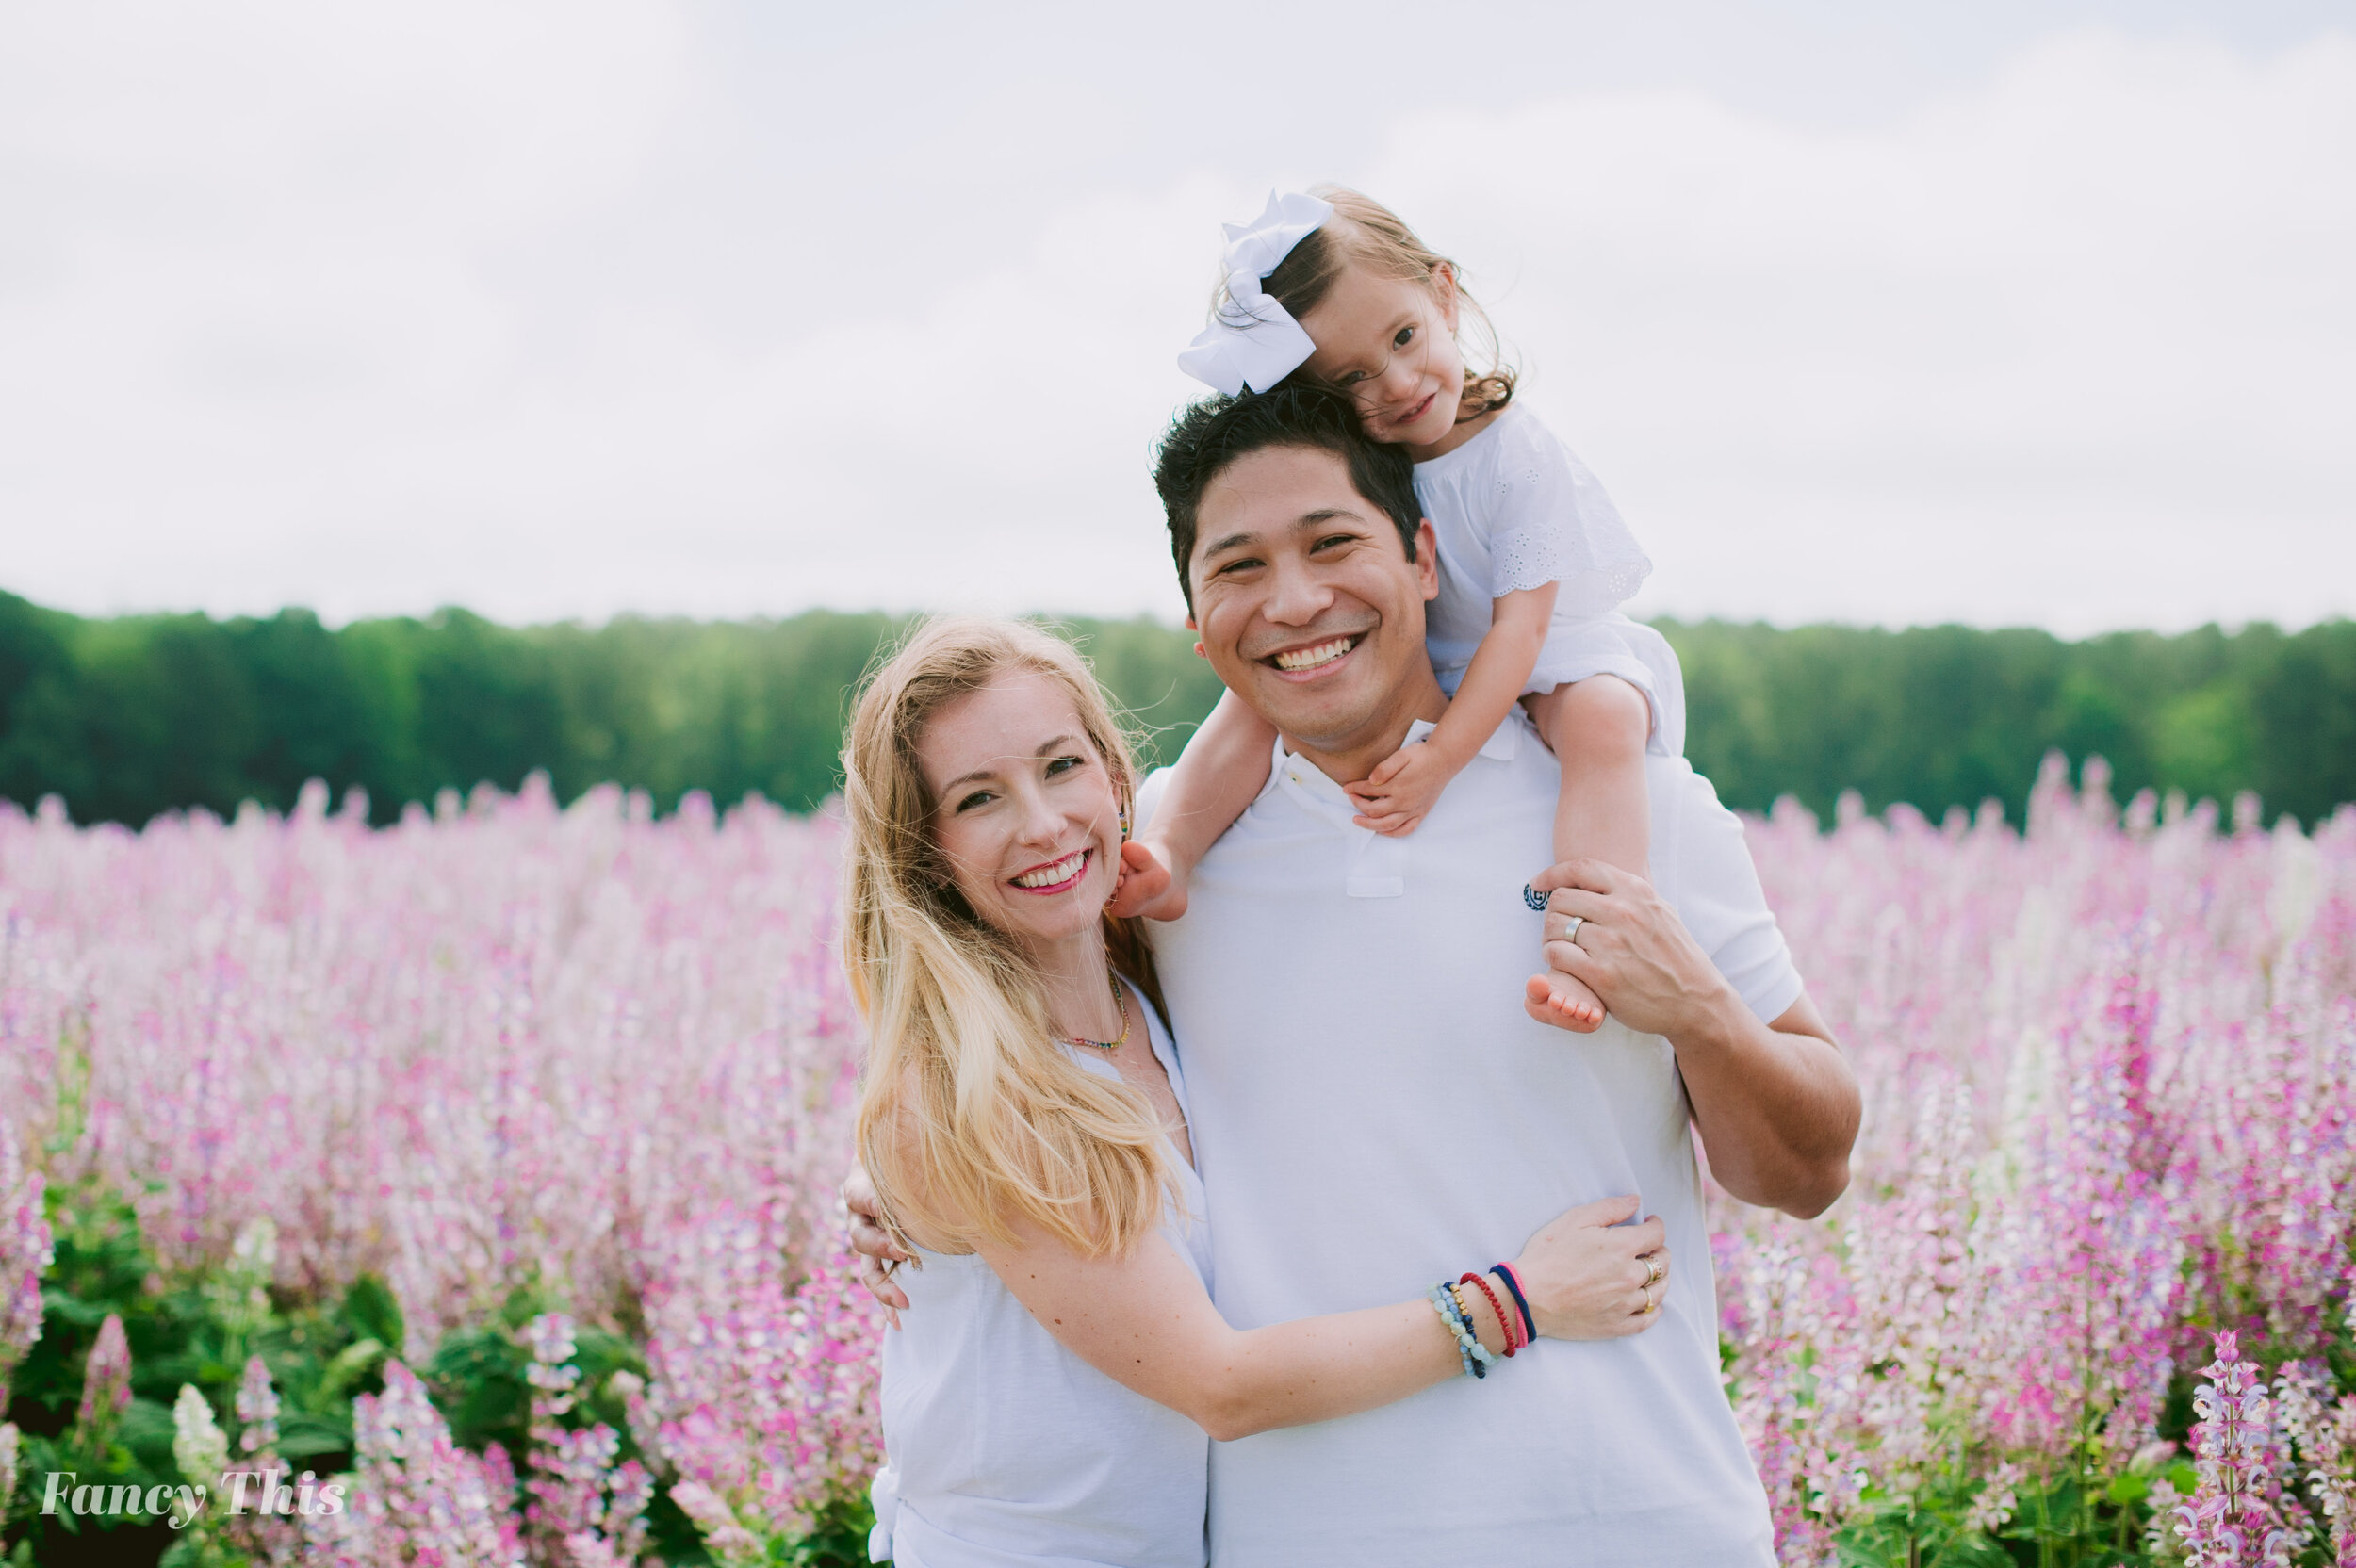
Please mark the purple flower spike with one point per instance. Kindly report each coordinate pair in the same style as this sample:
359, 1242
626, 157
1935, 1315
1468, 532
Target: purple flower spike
257, 1407
105, 1379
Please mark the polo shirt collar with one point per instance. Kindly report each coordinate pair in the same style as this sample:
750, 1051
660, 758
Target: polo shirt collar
1373, 866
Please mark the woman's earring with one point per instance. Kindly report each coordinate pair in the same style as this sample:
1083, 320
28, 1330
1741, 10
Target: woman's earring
1124, 822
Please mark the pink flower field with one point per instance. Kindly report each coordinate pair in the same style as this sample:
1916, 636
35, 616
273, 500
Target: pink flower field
569, 1088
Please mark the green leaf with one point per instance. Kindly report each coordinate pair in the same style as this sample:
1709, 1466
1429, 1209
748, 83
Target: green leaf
476, 1376
370, 1310
838, 1538
351, 1364
314, 1437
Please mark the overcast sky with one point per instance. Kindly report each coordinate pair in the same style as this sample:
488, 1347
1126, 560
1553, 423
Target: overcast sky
2017, 311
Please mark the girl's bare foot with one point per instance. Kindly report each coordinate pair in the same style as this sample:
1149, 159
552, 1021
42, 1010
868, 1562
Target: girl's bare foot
1563, 1001
1147, 888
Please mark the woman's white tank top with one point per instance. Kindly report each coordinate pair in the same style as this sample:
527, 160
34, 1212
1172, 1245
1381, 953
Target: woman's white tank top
1006, 1451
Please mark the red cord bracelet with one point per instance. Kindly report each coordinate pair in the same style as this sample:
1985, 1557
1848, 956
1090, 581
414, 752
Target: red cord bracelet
1505, 1319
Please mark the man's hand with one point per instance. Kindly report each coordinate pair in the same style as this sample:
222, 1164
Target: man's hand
879, 1255
1630, 948
1777, 1107
1403, 789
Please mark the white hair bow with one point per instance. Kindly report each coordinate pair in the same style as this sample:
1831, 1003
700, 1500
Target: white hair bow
1253, 341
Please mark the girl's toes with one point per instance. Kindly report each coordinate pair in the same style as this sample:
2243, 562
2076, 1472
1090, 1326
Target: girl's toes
1567, 1001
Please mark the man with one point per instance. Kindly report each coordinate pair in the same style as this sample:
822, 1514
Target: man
1372, 1107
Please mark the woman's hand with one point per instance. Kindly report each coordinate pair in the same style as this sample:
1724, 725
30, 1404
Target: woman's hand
1589, 1276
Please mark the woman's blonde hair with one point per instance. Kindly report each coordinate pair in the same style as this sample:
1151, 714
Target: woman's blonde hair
1364, 232
971, 1116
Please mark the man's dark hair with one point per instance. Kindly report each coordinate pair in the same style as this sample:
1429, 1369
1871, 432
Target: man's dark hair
1216, 432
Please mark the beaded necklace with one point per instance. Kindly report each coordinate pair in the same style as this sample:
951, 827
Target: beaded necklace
1120, 1001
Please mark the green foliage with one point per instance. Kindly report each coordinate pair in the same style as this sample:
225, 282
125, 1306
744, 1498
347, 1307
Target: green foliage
2061, 1520
194, 1331
2080, 1513
477, 1377
1945, 716
200, 1330
838, 1538
127, 718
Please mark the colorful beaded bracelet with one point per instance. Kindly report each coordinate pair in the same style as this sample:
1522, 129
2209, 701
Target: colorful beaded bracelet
1485, 1357
1468, 1347
1463, 1309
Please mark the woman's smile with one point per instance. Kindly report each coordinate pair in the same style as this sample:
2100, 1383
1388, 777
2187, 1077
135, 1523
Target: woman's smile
1057, 876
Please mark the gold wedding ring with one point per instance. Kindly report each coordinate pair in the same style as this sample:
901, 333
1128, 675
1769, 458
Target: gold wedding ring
1651, 1303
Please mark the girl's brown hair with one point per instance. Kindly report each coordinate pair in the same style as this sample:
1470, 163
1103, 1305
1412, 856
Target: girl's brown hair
971, 1116
1364, 232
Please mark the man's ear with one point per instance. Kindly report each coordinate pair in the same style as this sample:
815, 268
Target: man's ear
1428, 559
1198, 642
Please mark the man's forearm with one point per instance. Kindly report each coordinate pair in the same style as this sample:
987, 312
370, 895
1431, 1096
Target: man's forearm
1775, 1103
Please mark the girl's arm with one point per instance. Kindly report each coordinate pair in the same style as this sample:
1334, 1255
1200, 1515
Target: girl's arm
1403, 786
1223, 768
1499, 669
1144, 1321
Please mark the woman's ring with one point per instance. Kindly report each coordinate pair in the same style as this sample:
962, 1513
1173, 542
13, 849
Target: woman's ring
1652, 1304
1652, 1270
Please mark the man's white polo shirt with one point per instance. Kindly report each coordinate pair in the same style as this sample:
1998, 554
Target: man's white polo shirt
1372, 1112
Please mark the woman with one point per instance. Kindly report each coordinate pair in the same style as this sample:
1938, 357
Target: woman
1050, 1395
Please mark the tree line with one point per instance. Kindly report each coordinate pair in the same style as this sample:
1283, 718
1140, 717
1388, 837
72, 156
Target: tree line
128, 717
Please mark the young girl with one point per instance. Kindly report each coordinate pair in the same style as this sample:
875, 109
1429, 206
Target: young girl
1533, 558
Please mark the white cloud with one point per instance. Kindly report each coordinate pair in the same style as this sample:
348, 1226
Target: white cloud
2072, 347
514, 306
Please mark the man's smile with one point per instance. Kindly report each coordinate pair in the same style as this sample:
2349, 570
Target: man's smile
1314, 659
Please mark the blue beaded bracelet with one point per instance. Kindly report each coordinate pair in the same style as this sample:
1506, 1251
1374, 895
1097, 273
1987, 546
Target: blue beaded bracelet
1475, 1357
1483, 1358
1445, 1305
